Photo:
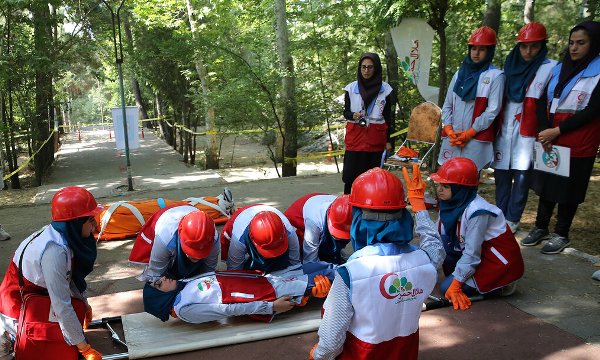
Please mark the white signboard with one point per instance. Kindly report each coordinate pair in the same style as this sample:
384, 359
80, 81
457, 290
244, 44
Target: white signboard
413, 40
132, 127
556, 161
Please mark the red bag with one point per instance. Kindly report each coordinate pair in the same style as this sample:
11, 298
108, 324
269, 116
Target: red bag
38, 335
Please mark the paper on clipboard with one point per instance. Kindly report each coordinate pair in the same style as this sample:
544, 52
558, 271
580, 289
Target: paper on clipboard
557, 161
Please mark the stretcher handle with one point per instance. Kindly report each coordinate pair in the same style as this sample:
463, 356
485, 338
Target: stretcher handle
104, 320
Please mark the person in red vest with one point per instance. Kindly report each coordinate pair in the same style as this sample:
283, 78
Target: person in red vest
55, 261
473, 103
322, 224
482, 254
369, 123
527, 72
573, 122
179, 242
373, 308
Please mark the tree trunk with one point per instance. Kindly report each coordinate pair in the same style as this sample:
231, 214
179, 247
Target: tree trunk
438, 23
393, 78
42, 34
529, 11
491, 17
135, 85
288, 96
212, 147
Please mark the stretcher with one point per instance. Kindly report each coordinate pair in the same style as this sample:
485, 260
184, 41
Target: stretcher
146, 336
124, 219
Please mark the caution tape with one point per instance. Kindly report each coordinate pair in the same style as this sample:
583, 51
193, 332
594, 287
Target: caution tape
29, 158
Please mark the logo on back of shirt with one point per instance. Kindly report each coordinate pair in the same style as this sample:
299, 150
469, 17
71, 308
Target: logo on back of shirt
391, 286
204, 284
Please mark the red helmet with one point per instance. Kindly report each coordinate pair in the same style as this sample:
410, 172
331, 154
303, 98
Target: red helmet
339, 217
483, 36
196, 234
534, 31
74, 202
377, 189
459, 170
268, 233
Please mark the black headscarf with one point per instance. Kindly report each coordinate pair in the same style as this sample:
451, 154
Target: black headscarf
369, 88
84, 249
519, 73
468, 74
571, 68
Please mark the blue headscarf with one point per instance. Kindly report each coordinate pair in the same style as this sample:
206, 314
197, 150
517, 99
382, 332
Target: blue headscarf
519, 73
451, 210
259, 262
159, 303
468, 74
84, 249
368, 232
182, 266
329, 247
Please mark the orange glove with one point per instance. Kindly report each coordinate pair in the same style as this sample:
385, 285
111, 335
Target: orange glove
457, 296
450, 132
415, 187
88, 317
90, 354
406, 152
310, 354
322, 286
303, 301
464, 137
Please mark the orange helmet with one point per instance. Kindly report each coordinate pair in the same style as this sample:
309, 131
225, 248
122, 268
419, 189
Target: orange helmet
377, 189
534, 31
196, 234
459, 170
484, 35
74, 202
268, 233
339, 217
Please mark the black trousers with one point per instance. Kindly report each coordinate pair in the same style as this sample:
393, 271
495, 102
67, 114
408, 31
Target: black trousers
356, 163
564, 217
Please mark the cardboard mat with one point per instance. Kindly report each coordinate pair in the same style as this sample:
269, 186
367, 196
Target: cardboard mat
147, 336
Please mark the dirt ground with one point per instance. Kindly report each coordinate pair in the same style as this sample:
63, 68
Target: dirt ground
239, 151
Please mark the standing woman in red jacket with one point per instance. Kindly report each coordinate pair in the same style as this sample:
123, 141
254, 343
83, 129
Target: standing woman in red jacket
573, 122
368, 111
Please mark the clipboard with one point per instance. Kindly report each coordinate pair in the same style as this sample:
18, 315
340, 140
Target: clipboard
556, 161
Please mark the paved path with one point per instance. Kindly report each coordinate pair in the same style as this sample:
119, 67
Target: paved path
555, 312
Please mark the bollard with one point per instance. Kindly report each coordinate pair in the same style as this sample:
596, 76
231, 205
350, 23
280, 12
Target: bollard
142, 132
79, 134
329, 150
110, 134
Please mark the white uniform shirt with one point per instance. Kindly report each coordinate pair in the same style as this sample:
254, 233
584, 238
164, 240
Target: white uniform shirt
314, 212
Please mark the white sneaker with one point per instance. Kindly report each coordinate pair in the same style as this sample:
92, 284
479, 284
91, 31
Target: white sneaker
509, 289
514, 226
596, 275
3, 234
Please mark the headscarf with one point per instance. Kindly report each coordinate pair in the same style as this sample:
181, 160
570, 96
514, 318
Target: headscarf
369, 88
258, 262
182, 266
468, 74
571, 68
451, 210
368, 232
329, 247
519, 73
84, 249
159, 303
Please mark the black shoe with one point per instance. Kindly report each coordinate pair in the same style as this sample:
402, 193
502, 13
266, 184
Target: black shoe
534, 237
555, 244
